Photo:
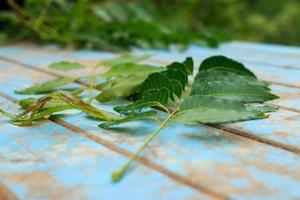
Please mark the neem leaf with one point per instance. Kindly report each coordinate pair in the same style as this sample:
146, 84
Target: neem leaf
47, 86
154, 97
189, 65
178, 87
225, 64
155, 81
213, 116
220, 75
176, 71
25, 103
37, 109
128, 69
206, 109
126, 58
65, 65
122, 88
88, 109
178, 67
139, 116
233, 90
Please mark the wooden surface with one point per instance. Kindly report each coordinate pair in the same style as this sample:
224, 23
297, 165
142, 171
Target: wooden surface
71, 158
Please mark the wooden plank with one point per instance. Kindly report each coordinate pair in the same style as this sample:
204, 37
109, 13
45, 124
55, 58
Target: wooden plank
267, 48
48, 161
42, 57
269, 54
233, 165
272, 54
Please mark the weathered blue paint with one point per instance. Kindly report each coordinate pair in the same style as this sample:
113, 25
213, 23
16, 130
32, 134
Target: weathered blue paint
208, 156
267, 72
47, 161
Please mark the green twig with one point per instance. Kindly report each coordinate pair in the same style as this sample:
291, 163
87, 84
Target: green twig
117, 175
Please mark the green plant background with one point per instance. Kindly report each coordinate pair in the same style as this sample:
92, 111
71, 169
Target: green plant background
118, 25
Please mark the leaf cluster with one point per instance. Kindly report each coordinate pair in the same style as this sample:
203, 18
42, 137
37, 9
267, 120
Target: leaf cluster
222, 91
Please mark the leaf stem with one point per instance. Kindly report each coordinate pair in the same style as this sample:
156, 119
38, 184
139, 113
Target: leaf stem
117, 175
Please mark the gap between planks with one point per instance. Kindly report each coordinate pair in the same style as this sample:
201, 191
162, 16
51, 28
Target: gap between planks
146, 162
234, 131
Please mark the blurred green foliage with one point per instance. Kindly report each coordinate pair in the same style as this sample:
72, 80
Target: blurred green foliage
119, 24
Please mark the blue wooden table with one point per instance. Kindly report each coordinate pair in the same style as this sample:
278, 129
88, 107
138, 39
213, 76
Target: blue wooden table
71, 158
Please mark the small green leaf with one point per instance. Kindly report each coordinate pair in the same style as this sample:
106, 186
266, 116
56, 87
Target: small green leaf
206, 109
128, 69
48, 86
189, 65
220, 75
122, 88
214, 116
175, 72
178, 88
126, 58
25, 103
264, 108
155, 81
88, 109
225, 64
153, 97
233, 90
65, 65
139, 116
37, 109
176, 68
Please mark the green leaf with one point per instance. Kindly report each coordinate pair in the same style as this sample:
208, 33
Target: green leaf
178, 88
25, 103
48, 86
88, 109
176, 68
154, 82
128, 69
37, 109
176, 72
139, 116
263, 108
225, 64
106, 84
207, 109
65, 65
233, 90
153, 97
126, 58
189, 65
123, 88
220, 75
